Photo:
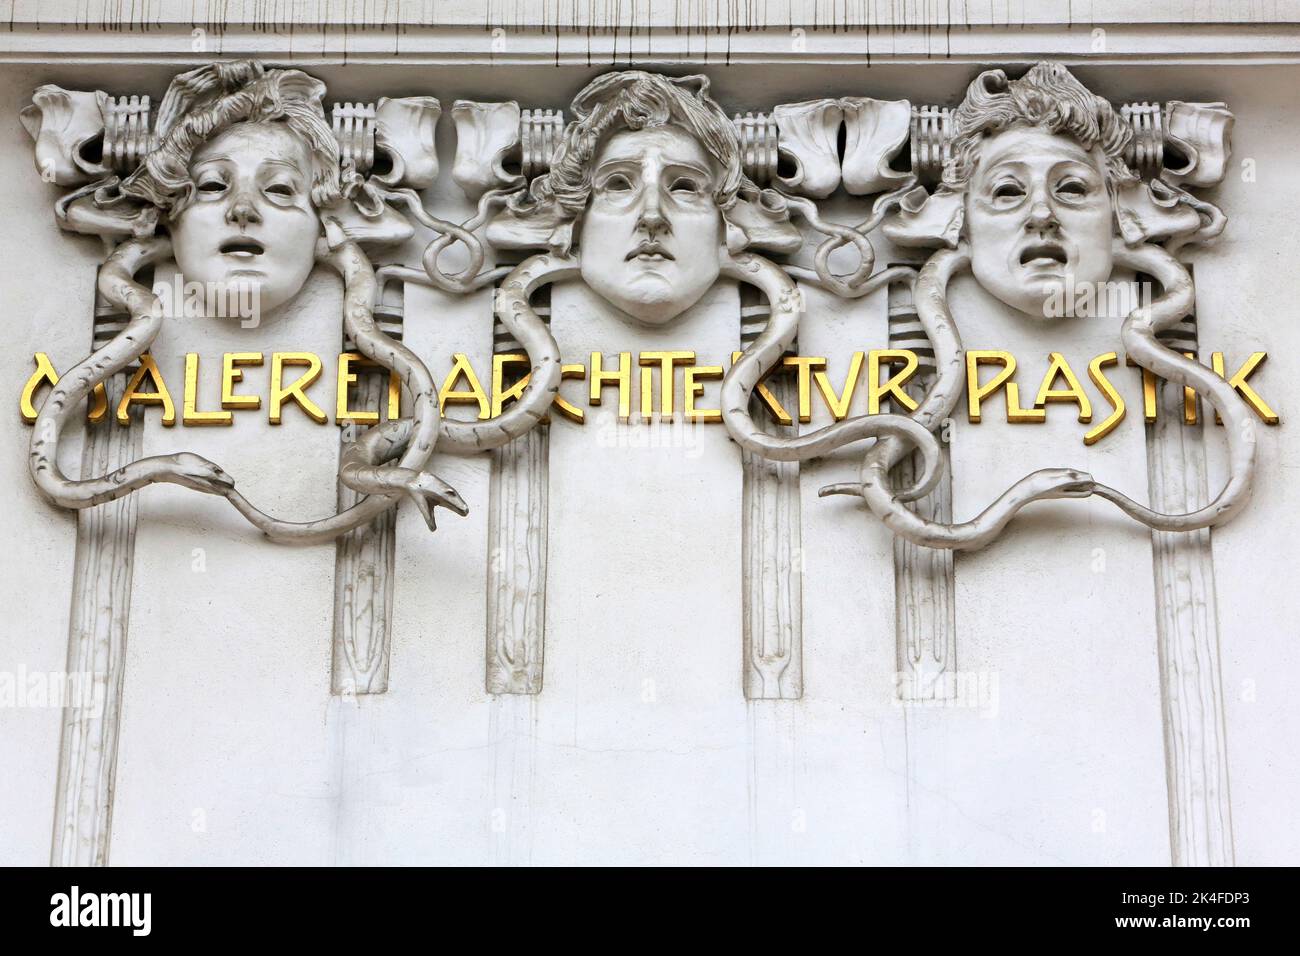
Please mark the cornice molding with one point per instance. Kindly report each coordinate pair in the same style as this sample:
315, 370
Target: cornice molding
623, 32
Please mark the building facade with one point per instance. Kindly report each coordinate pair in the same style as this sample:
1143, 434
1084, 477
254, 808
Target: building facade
275, 281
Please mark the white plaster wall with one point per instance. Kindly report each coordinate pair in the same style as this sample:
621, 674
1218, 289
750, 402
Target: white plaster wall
36, 583
1246, 291
232, 749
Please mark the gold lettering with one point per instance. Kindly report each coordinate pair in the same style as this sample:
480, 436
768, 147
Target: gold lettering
298, 390
191, 414
976, 393
775, 407
133, 395
667, 362
893, 387
45, 375
394, 396
1116, 400
342, 410
1149, 409
231, 373
1189, 397
1073, 392
839, 404
622, 378
1238, 382
571, 412
501, 394
473, 395
806, 364
694, 387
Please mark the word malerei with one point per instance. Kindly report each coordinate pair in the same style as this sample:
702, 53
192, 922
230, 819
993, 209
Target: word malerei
667, 381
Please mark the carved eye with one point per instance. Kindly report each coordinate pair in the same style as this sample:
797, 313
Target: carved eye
1072, 189
212, 186
284, 190
618, 183
684, 185
1008, 191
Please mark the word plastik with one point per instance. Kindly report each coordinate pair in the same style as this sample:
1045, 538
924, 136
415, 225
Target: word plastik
661, 391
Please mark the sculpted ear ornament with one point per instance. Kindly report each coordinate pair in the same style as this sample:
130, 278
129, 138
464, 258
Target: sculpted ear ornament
1148, 219
66, 126
404, 136
167, 175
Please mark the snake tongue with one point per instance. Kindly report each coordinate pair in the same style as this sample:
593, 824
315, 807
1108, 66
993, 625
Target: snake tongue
425, 509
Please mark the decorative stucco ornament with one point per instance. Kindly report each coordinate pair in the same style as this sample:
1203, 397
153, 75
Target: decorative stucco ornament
649, 194
647, 197
1043, 187
806, 135
253, 187
67, 126
404, 133
1035, 184
875, 132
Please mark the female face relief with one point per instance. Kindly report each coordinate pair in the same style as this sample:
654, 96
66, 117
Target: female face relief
251, 221
652, 232
1039, 217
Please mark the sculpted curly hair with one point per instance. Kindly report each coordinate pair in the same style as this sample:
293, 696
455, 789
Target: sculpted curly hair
1047, 97
206, 101
636, 100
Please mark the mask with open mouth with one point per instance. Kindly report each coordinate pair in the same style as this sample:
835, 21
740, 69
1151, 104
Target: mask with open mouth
1039, 218
250, 222
242, 247
1049, 255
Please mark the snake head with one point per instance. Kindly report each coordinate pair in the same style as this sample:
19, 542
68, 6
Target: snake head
428, 491
1068, 483
193, 471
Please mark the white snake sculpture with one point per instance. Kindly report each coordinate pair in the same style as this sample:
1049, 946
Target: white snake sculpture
766, 352
519, 318
1139, 338
738, 385
413, 439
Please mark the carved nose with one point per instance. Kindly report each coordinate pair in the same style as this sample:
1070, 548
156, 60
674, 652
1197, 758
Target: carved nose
1041, 216
652, 216
243, 211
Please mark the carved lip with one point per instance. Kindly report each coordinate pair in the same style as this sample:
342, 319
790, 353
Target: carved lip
649, 250
241, 246
1043, 251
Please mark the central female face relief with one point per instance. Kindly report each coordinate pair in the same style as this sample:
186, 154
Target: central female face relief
652, 232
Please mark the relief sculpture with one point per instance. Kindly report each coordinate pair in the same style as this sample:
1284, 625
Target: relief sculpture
644, 189
242, 181
647, 200
1046, 184
1039, 183
649, 194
